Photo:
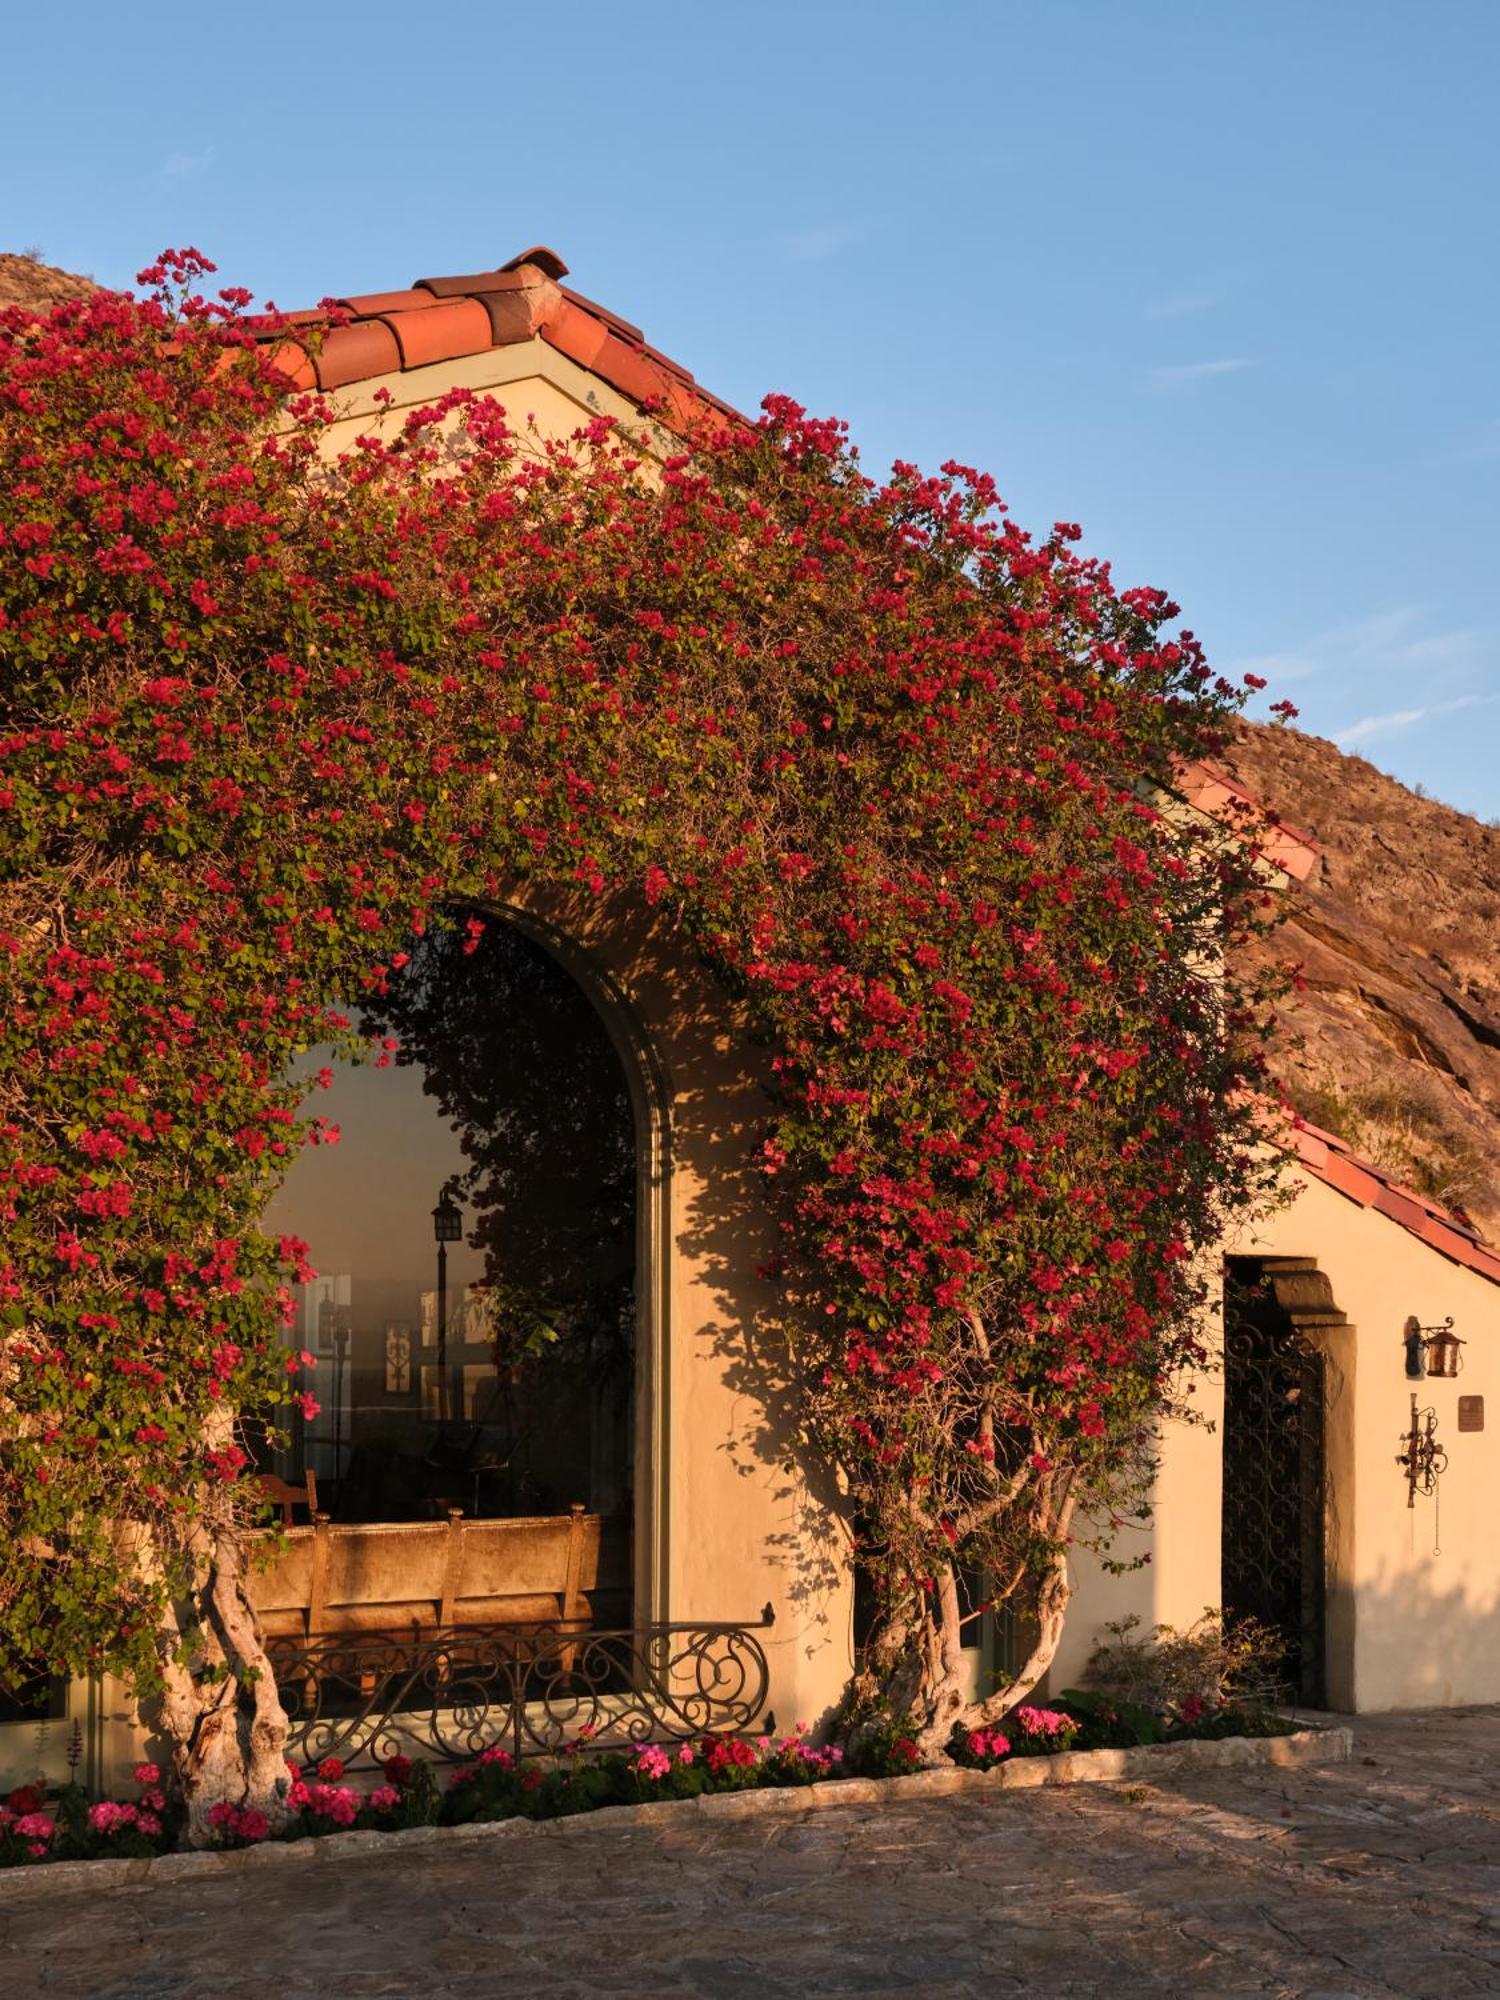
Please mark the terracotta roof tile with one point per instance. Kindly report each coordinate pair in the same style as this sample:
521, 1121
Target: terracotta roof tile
1349, 1179
577, 334
1295, 853
290, 359
441, 318
666, 362
625, 327
440, 331
628, 369
1451, 1242
1311, 1149
364, 305
685, 410
355, 353
517, 315
467, 284
1410, 1214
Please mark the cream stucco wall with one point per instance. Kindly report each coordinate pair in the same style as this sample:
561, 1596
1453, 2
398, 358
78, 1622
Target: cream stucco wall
1414, 1593
544, 395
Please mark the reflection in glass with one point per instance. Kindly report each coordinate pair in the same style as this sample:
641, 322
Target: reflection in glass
507, 1102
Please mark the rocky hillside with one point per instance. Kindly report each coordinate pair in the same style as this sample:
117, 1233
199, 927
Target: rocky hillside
1398, 932
26, 281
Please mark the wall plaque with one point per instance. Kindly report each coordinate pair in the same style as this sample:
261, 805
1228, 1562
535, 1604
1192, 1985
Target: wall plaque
1471, 1413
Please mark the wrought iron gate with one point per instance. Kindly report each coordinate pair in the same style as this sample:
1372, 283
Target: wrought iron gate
1274, 1499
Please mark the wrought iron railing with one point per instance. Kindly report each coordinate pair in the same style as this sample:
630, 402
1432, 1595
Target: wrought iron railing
451, 1693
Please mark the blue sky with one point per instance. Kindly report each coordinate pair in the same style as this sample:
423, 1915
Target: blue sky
1217, 280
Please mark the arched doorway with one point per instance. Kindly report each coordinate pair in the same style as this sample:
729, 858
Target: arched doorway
482, 1299
1276, 1497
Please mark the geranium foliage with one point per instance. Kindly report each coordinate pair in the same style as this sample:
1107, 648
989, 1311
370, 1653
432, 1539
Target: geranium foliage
881, 758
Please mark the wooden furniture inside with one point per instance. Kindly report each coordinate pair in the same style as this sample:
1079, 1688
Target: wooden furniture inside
283, 1494
410, 1577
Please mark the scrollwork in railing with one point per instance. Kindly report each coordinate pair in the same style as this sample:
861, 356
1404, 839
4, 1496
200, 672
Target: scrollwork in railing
450, 1693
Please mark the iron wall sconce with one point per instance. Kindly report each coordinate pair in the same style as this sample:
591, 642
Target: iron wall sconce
1423, 1458
1431, 1350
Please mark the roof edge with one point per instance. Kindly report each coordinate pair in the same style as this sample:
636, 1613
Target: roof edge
1334, 1162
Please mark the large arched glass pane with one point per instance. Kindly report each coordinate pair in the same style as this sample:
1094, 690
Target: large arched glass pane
494, 1371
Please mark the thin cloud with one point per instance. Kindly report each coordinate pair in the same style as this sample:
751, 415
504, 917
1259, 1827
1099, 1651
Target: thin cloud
186, 166
812, 246
1391, 642
1376, 728
1183, 305
1200, 292
1184, 374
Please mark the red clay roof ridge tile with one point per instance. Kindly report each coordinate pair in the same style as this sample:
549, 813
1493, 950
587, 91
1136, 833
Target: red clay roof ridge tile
444, 318
545, 260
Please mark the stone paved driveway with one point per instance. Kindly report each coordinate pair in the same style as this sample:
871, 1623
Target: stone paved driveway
1377, 1877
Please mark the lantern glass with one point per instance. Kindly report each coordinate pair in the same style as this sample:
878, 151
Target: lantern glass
1442, 1353
447, 1220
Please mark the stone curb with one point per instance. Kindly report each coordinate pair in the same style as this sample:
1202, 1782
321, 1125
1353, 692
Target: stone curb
1070, 1767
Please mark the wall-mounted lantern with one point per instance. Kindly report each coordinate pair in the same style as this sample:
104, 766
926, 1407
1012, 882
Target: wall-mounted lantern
1443, 1357
1431, 1350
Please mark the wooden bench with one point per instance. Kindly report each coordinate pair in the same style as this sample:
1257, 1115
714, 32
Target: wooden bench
410, 1577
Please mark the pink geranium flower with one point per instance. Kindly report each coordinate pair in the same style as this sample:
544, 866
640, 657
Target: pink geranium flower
651, 1761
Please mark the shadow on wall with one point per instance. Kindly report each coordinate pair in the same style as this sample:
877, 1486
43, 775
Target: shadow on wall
1419, 1644
726, 1234
752, 1515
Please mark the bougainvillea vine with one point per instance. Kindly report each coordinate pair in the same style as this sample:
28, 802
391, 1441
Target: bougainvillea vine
887, 763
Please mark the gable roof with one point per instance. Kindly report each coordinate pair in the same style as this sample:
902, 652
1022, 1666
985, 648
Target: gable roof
1332, 1161
442, 319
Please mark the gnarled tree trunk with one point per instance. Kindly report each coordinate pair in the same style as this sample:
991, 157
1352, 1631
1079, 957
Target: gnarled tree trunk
219, 1704
930, 1682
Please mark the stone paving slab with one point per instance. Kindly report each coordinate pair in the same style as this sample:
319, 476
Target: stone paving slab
1380, 1876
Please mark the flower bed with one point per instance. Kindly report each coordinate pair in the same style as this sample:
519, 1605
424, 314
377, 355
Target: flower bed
37, 1826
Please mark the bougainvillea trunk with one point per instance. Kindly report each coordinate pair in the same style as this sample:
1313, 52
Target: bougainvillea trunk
219, 1704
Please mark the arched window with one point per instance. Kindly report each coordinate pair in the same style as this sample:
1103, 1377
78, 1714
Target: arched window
482, 1358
